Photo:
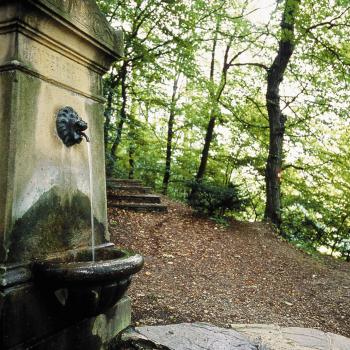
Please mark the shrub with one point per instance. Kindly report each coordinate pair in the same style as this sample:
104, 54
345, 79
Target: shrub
214, 199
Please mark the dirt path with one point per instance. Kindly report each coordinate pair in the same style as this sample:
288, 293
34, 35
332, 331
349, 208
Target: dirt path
197, 270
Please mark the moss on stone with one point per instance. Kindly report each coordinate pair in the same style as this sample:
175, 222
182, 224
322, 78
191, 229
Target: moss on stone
51, 225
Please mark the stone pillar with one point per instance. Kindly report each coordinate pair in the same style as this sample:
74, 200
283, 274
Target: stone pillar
53, 54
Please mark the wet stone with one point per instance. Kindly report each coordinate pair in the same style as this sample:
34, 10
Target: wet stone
185, 336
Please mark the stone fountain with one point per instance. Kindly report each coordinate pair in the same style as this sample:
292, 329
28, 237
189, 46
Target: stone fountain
62, 286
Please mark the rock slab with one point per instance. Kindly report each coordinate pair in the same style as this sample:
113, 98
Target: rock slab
186, 336
273, 337
202, 336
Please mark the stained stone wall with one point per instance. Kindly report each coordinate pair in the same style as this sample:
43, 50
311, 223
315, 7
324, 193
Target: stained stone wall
52, 54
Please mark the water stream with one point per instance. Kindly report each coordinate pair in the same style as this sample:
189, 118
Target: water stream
91, 201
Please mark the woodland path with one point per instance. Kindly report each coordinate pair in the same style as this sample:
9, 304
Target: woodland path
199, 271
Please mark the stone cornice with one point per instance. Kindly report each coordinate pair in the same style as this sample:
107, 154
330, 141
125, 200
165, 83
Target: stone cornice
15, 65
87, 17
42, 38
84, 46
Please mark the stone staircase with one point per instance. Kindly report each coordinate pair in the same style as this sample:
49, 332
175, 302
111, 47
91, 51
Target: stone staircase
130, 194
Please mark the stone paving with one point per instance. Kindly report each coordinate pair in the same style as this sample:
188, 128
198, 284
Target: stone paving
202, 336
186, 336
274, 337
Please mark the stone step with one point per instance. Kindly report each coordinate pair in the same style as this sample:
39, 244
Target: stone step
139, 206
124, 181
128, 188
134, 198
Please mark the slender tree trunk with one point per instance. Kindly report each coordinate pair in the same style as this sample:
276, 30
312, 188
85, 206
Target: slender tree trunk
132, 135
211, 125
108, 116
131, 162
114, 81
123, 114
215, 96
276, 117
334, 245
205, 152
169, 143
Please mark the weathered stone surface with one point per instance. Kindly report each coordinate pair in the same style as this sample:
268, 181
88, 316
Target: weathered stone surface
338, 342
268, 335
47, 64
274, 337
87, 17
186, 336
308, 338
28, 317
53, 54
88, 334
201, 336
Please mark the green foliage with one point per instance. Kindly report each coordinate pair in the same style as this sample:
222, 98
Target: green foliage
220, 220
214, 199
166, 39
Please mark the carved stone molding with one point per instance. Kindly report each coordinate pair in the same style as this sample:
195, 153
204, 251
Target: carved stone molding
87, 16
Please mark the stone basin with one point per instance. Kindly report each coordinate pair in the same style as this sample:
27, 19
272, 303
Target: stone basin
84, 287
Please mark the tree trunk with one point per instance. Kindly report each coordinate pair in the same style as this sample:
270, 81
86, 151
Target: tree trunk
205, 154
210, 128
108, 115
132, 135
123, 114
131, 162
276, 117
206, 147
113, 83
215, 98
169, 143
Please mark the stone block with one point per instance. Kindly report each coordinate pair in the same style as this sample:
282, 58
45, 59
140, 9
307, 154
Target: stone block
53, 54
195, 336
274, 337
29, 316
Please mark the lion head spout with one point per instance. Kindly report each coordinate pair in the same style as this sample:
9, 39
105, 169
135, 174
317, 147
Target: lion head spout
70, 127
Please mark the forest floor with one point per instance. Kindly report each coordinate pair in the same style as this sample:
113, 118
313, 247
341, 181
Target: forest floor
198, 270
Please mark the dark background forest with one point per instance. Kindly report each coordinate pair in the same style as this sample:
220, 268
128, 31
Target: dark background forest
237, 105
